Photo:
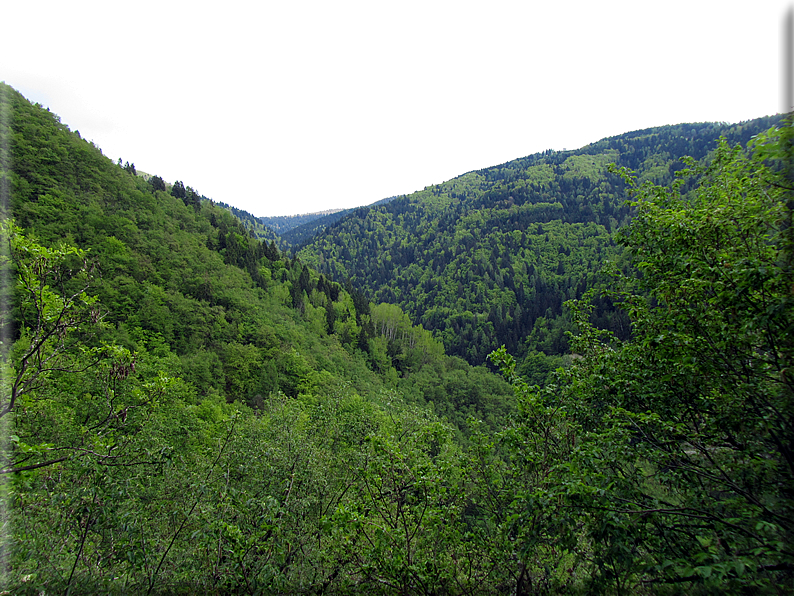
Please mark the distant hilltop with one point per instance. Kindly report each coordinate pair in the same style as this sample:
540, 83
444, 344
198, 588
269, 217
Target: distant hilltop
283, 223
326, 212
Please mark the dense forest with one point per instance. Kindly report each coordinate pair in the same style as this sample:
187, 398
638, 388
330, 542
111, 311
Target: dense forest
306, 229
285, 223
190, 409
303, 232
490, 257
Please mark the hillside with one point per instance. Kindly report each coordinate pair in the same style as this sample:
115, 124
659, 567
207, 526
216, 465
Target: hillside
300, 234
190, 410
201, 316
285, 223
173, 269
489, 257
253, 225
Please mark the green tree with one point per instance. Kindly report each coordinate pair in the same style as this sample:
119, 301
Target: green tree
178, 190
57, 326
703, 392
157, 183
679, 442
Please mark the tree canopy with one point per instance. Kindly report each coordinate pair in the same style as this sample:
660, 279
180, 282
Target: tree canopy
193, 410
672, 452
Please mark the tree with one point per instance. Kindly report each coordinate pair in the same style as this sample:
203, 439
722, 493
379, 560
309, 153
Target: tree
178, 190
674, 448
157, 183
56, 323
703, 391
192, 198
53, 305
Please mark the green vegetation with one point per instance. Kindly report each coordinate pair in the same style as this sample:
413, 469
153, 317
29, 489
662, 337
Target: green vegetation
668, 457
301, 233
147, 322
191, 410
254, 226
285, 223
490, 257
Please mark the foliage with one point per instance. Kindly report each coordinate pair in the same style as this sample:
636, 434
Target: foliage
490, 257
193, 407
285, 223
679, 463
196, 411
57, 323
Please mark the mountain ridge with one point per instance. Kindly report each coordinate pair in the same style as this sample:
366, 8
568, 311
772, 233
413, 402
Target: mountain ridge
500, 288
196, 411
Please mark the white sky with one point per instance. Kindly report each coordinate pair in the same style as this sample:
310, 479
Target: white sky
286, 107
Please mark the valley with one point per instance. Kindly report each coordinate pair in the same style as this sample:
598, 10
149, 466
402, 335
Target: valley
567, 373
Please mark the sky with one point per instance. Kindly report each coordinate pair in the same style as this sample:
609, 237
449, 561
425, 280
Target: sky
281, 108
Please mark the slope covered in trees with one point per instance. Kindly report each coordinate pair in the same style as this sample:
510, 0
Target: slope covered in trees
284, 223
140, 316
190, 411
300, 234
254, 226
672, 452
190, 276
489, 258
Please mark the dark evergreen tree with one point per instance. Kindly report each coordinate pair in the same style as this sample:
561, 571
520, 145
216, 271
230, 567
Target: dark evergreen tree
157, 183
178, 190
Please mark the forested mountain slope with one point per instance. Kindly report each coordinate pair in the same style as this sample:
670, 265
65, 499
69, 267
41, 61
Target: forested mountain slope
186, 410
284, 223
172, 300
189, 277
253, 225
489, 257
298, 235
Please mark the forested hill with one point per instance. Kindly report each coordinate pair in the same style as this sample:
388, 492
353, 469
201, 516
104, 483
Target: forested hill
253, 225
284, 223
152, 331
488, 258
189, 410
299, 234
239, 318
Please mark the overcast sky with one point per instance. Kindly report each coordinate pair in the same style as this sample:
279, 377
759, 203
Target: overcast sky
282, 107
